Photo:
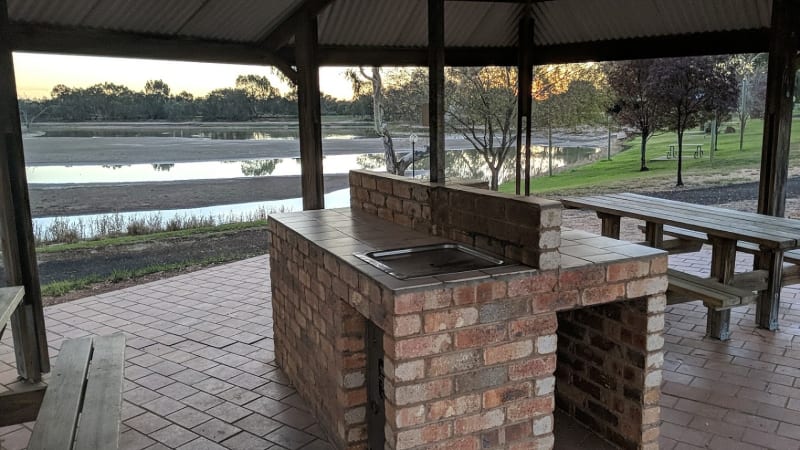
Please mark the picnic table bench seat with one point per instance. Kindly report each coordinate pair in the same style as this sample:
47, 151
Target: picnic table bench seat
10, 298
684, 287
82, 404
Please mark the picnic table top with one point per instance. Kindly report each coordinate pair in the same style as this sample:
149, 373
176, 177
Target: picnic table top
767, 231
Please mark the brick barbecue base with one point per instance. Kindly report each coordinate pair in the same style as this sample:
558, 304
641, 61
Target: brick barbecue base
473, 363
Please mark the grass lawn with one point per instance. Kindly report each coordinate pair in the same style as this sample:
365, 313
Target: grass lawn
622, 172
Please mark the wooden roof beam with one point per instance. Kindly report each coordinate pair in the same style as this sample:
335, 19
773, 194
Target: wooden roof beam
281, 34
50, 39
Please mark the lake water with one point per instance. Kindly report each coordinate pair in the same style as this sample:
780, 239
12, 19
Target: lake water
462, 164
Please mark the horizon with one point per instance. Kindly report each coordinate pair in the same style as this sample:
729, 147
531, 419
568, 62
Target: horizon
37, 73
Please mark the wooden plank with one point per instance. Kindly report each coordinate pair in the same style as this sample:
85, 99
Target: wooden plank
436, 89
791, 275
684, 285
9, 299
16, 225
792, 256
769, 299
723, 264
102, 404
21, 406
781, 70
55, 427
610, 225
309, 113
724, 223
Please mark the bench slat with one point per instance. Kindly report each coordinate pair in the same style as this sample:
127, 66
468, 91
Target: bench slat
9, 299
102, 404
711, 292
790, 256
55, 426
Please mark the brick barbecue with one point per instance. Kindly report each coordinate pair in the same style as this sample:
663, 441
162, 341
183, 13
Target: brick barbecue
471, 360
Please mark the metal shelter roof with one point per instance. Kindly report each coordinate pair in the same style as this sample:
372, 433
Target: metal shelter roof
388, 31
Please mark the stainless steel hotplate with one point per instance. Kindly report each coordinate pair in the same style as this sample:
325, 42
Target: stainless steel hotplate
428, 260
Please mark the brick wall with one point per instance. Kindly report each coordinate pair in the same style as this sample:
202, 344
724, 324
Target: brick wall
312, 317
525, 229
610, 355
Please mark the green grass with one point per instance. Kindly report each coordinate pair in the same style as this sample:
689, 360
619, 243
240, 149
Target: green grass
124, 240
623, 170
59, 288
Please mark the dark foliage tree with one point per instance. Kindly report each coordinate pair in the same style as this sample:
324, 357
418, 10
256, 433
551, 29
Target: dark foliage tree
482, 107
637, 93
691, 88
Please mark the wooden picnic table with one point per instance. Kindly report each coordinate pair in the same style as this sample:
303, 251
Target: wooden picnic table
724, 227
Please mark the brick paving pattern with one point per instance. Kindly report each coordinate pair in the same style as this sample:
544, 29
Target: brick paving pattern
200, 370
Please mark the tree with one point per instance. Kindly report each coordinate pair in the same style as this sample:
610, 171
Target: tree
564, 96
751, 72
691, 87
156, 95
637, 94
259, 91
394, 164
482, 107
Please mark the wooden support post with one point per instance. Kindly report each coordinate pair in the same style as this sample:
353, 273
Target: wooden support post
16, 226
306, 51
654, 234
769, 299
436, 88
723, 261
524, 99
21, 406
610, 225
782, 67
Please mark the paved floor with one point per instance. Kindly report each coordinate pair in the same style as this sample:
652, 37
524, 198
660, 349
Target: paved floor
200, 372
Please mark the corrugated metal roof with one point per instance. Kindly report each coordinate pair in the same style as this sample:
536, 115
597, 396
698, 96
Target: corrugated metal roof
402, 23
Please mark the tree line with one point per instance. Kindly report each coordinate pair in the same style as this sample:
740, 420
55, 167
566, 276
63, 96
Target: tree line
252, 98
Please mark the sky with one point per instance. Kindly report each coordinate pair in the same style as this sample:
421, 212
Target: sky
37, 73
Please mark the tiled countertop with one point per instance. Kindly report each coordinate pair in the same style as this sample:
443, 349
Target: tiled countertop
343, 231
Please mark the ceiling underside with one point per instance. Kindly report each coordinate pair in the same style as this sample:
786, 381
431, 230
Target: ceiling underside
386, 32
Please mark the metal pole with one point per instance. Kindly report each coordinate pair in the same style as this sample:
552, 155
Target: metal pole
608, 123
412, 159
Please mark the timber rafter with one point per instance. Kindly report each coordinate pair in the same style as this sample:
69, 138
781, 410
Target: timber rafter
281, 34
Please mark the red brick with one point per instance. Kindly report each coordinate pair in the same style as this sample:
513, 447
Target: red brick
423, 436
464, 295
422, 346
409, 303
507, 352
518, 432
452, 318
556, 301
659, 265
582, 277
493, 290
480, 336
409, 417
479, 422
422, 392
463, 443
532, 368
453, 407
542, 282
454, 362
533, 326
628, 270
505, 394
603, 294
529, 408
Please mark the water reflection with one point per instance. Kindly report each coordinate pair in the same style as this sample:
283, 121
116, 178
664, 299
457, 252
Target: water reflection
259, 168
267, 133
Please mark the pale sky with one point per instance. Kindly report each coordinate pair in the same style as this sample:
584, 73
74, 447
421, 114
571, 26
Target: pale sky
37, 73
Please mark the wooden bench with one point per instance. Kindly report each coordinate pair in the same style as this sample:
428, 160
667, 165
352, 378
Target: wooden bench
10, 298
82, 405
684, 287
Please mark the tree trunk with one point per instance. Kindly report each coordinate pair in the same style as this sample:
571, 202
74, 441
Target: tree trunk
388, 151
742, 123
680, 158
645, 133
550, 149
493, 183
